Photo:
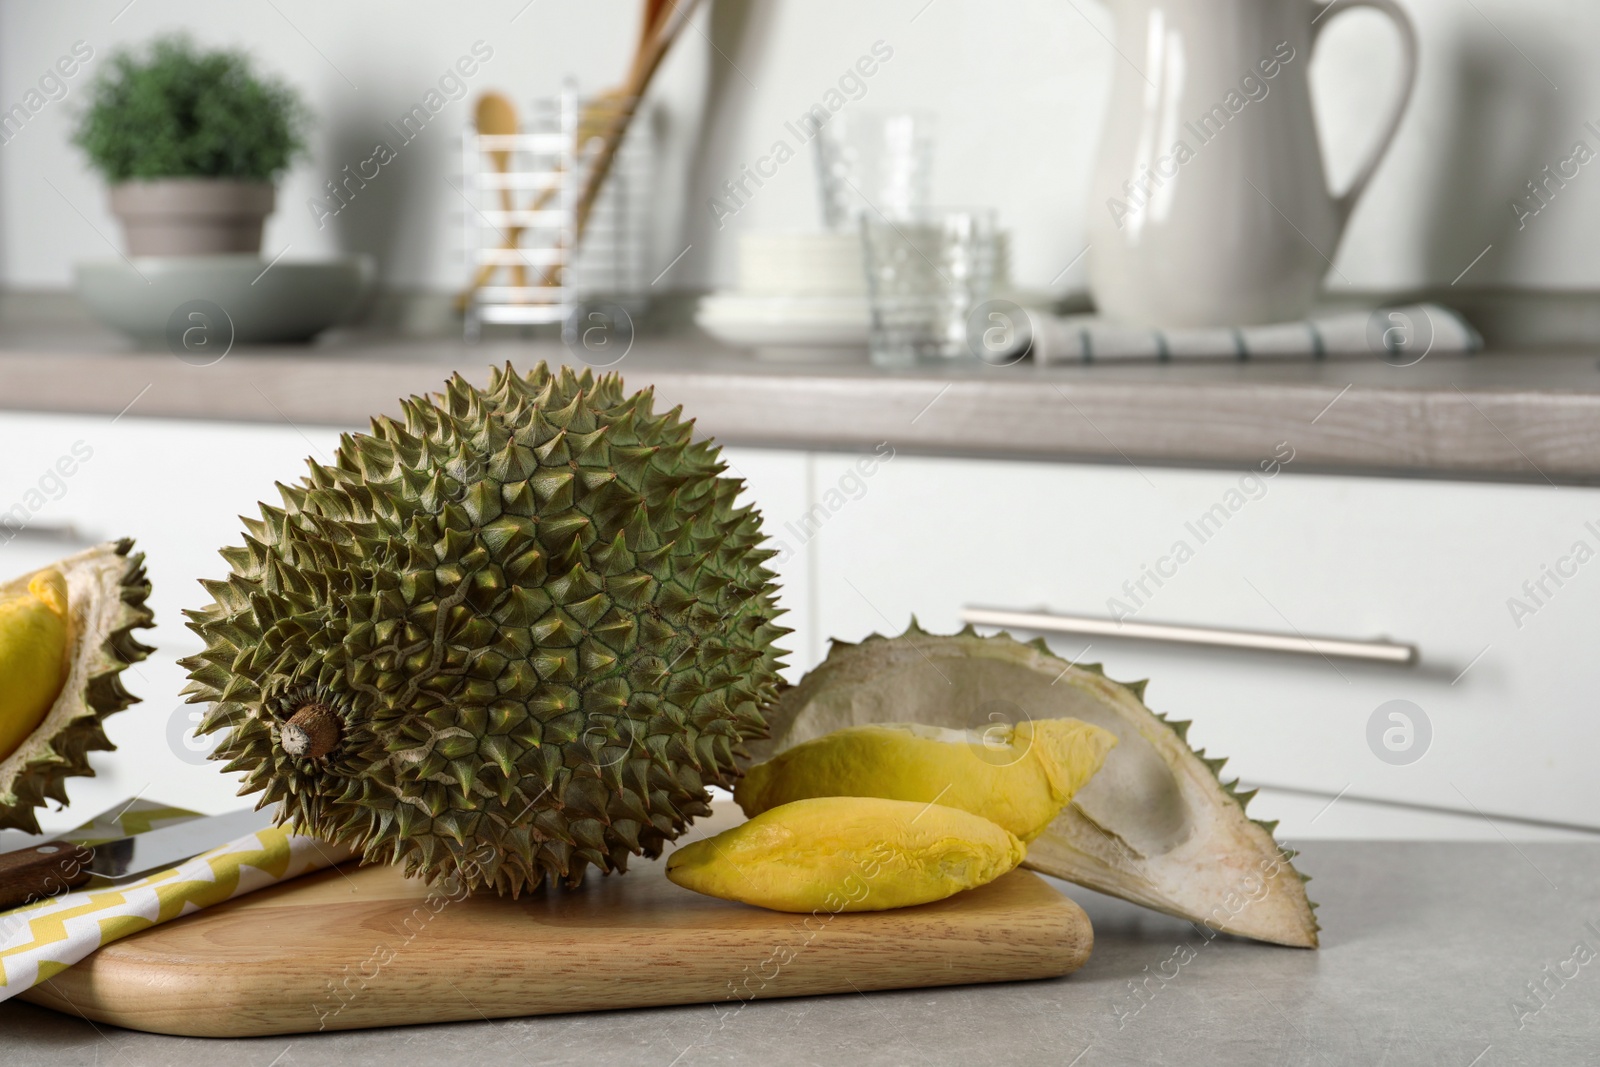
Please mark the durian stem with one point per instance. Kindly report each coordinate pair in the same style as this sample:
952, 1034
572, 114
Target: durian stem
311, 733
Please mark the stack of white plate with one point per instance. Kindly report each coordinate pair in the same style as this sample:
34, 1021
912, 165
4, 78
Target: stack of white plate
803, 296
800, 296
801, 264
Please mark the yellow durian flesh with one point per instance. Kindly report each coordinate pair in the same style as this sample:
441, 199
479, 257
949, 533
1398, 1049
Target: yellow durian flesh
35, 656
102, 590
1156, 826
837, 854
1020, 777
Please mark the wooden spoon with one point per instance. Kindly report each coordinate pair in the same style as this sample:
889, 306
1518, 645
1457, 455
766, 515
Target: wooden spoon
608, 117
664, 20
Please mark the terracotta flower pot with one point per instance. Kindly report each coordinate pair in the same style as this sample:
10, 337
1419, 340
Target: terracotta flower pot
192, 216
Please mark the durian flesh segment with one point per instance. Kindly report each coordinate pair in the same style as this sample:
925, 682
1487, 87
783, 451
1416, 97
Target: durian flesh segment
836, 854
1155, 826
35, 652
536, 611
1019, 776
105, 592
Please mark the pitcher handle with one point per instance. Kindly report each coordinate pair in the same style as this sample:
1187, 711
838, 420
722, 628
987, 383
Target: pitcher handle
1345, 203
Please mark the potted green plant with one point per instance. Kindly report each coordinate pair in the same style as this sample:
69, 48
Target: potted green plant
191, 142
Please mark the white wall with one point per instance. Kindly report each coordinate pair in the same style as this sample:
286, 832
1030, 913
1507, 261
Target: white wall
1019, 87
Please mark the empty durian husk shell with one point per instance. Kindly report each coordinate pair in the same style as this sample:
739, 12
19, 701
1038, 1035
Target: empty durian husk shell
106, 593
1155, 826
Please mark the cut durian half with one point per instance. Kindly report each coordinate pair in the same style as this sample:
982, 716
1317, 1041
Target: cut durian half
1155, 826
106, 593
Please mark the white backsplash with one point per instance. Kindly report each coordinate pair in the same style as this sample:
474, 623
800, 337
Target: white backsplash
1019, 87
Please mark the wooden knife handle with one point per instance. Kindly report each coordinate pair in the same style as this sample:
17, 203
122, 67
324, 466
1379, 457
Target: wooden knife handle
31, 874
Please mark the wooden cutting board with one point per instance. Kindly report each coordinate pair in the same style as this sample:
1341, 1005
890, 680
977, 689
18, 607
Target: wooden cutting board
351, 948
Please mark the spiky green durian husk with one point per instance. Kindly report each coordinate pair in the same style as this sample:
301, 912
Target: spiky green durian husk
1157, 825
106, 593
539, 618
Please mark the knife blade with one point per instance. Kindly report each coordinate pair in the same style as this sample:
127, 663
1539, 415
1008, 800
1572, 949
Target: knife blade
54, 867
90, 833
106, 826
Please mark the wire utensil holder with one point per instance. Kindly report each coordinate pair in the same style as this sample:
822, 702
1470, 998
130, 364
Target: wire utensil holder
546, 273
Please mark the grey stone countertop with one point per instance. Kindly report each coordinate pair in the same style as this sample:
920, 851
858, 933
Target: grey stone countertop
1455, 954
1522, 416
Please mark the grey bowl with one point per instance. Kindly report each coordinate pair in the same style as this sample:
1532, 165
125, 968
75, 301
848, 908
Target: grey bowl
152, 297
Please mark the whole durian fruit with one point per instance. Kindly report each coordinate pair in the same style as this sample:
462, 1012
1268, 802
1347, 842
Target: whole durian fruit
513, 636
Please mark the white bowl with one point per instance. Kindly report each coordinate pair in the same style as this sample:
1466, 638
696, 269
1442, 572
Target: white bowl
280, 303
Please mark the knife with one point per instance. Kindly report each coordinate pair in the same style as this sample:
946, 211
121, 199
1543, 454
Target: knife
45, 870
116, 821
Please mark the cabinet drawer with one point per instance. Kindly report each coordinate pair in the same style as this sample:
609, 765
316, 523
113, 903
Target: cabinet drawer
1432, 564
775, 482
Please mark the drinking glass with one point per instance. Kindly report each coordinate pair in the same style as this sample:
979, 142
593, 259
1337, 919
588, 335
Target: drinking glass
925, 276
873, 163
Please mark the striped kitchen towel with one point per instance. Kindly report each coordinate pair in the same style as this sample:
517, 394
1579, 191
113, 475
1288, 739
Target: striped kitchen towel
1399, 335
38, 941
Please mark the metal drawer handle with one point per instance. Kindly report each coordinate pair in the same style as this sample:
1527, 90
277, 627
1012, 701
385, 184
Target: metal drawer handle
1050, 622
64, 532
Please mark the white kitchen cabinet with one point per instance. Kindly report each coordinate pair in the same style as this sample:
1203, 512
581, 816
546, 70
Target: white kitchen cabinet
776, 483
1425, 562
178, 487
867, 540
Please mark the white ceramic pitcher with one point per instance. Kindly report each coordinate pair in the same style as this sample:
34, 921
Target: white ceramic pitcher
1209, 205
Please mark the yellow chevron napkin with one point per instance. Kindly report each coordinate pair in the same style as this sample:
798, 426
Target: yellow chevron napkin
39, 941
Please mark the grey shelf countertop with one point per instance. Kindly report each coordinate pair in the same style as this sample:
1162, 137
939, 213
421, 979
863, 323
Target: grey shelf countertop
1532, 416
1431, 953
